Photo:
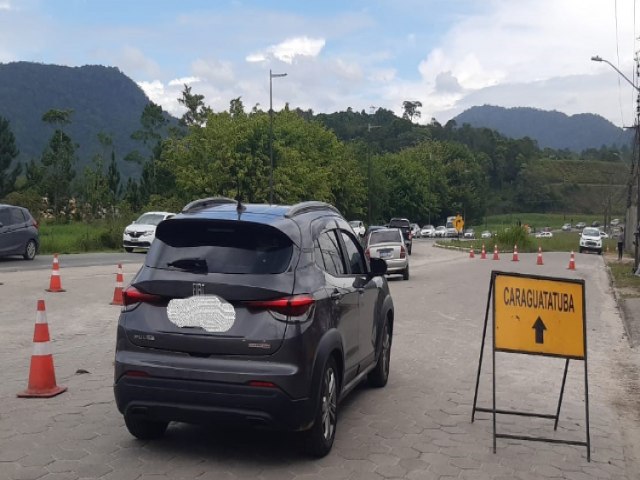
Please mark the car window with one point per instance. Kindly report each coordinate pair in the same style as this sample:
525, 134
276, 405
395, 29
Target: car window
5, 216
591, 232
384, 236
17, 217
327, 245
220, 247
355, 260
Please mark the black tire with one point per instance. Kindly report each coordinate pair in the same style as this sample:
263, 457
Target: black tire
144, 429
128, 249
600, 252
580, 249
409, 249
30, 250
405, 273
319, 438
380, 374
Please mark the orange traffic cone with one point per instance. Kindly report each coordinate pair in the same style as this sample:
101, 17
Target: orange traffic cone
42, 378
539, 262
572, 261
117, 293
471, 253
515, 254
483, 254
495, 253
55, 285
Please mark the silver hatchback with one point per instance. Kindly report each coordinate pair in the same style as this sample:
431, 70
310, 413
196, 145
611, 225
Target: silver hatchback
388, 244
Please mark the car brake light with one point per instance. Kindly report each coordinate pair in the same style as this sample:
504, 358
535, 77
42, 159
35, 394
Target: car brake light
403, 252
35, 223
132, 295
294, 306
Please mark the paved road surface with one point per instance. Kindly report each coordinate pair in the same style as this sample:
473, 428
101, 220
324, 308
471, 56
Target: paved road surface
418, 427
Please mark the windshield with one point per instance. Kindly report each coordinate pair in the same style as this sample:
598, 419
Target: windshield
150, 219
591, 232
384, 236
354, 224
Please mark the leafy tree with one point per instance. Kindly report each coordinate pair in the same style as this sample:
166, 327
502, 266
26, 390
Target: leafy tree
197, 111
411, 109
236, 107
8, 151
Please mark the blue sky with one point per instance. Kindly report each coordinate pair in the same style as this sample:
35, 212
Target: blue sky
449, 55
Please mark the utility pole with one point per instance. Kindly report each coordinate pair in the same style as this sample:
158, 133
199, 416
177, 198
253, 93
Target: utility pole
369, 128
271, 77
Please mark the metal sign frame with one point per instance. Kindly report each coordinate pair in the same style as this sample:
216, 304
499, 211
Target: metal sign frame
495, 411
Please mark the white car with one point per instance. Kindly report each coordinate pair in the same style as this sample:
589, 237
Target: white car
141, 233
604, 234
590, 240
544, 235
469, 233
415, 230
428, 231
441, 231
358, 227
486, 234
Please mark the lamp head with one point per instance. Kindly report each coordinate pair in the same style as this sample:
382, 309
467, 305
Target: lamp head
596, 58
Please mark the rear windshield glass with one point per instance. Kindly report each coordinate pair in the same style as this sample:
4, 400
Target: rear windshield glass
150, 219
383, 236
220, 247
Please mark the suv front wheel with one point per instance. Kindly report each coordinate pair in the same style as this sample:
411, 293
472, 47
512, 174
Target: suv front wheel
319, 438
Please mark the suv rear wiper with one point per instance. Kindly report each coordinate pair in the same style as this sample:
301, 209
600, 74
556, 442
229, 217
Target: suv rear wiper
190, 264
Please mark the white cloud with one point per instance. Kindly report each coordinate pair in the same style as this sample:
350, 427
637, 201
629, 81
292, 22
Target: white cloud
184, 81
288, 50
133, 60
217, 72
5, 5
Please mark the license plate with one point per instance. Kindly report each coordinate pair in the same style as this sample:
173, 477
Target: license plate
209, 312
385, 253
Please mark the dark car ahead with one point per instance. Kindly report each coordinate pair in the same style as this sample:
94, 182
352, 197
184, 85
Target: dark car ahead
256, 315
405, 227
18, 232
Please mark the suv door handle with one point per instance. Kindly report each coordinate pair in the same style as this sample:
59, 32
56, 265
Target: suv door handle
336, 295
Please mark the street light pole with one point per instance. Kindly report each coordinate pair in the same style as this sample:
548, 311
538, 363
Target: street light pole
635, 161
271, 77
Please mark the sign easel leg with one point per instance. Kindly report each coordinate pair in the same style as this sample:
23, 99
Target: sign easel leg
564, 381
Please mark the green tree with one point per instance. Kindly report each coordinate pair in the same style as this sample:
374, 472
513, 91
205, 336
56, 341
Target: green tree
8, 151
58, 161
411, 109
197, 112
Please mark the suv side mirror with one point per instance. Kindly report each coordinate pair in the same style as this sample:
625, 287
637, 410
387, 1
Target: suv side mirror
378, 266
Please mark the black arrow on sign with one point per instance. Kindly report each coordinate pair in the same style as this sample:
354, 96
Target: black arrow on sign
539, 327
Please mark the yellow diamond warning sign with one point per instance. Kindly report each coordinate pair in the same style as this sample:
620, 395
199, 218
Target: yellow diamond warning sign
539, 315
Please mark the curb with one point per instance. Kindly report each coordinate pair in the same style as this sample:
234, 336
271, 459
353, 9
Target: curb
620, 305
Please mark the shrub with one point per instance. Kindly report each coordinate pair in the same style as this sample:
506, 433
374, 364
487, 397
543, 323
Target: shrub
511, 236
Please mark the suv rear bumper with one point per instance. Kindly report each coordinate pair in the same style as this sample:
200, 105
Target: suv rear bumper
200, 402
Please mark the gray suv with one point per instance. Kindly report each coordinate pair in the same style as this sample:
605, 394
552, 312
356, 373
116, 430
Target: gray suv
18, 232
255, 315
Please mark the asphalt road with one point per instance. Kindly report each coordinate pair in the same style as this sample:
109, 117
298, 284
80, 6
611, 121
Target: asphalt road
18, 264
418, 427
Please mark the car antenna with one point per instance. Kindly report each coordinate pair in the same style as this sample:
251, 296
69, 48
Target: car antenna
239, 207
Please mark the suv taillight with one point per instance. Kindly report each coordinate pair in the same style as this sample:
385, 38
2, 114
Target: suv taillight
293, 306
131, 295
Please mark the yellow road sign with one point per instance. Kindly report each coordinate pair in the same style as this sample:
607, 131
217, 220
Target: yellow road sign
458, 223
539, 315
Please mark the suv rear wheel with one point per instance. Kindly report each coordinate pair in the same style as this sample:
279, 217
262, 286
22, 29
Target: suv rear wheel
380, 374
144, 429
319, 438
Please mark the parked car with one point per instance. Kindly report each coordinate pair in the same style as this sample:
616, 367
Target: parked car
469, 233
615, 222
595, 223
544, 234
358, 227
580, 225
590, 240
252, 315
451, 232
566, 227
18, 232
388, 245
405, 227
440, 232
603, 234
428, 231
141, 233
415, 230
486, 234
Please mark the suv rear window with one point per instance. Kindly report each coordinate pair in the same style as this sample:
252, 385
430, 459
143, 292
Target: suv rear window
399, 223
216, 246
